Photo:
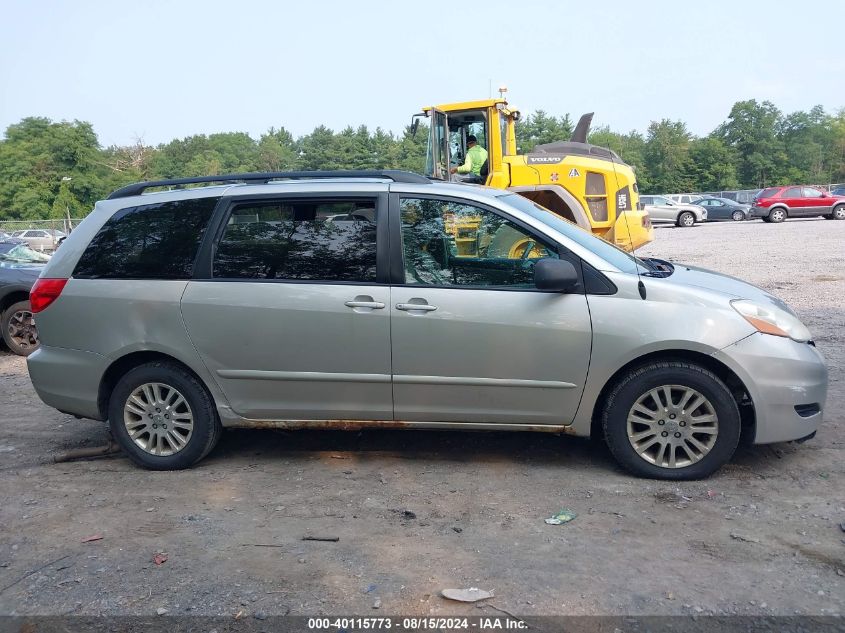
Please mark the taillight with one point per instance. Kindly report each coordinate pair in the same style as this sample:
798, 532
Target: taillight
45, 292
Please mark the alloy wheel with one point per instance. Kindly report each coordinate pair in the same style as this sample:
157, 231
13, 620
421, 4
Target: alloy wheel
839, 213
158, 419
738, 216
672, 426
22, 330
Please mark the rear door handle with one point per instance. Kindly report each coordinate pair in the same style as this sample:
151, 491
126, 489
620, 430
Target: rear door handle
373, 305
422, 307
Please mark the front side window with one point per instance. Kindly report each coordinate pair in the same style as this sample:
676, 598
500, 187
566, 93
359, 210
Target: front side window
311, 239
811, 192
152, 241
446, 243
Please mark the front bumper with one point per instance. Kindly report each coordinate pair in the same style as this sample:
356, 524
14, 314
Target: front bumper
787, 382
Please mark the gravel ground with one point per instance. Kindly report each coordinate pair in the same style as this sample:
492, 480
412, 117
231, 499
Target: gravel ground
416, 512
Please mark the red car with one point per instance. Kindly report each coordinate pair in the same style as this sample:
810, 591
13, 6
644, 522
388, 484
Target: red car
775, 204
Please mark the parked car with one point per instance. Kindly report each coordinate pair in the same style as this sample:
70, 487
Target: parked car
685, 198
724, 209
45, 240
839, 191
10, 239
456, 307
662, 209
19, 268
776, 204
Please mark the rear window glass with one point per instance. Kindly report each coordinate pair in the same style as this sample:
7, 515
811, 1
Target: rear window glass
153, 241
768, 193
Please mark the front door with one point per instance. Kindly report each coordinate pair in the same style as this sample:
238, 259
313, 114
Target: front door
294, 323
815, 202
473, 340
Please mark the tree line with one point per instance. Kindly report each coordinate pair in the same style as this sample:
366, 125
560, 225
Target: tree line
50, 169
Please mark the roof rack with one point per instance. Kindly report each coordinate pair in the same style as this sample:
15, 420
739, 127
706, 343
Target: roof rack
395, 175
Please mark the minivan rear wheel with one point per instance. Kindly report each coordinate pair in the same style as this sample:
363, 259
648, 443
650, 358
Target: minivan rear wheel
163, 417
671, 420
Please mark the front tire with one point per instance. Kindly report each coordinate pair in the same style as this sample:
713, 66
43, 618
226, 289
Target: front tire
671, 420
686, 218
777, 215
163, 417
838, 213
737, 216
18, 327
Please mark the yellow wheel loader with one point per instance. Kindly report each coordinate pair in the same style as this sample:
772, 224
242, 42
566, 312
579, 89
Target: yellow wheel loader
588, 185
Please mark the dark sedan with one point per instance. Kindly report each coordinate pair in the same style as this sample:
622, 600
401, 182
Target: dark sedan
724, 209
19, 268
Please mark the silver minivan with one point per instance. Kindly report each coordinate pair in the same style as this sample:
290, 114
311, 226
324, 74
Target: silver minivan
345, 300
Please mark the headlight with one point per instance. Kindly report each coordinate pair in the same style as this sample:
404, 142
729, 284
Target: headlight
771, 320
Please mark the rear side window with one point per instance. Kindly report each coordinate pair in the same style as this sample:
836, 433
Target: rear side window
318, 240
768, 193
153, 241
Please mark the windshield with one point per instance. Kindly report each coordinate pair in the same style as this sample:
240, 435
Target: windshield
21, 254
608, 252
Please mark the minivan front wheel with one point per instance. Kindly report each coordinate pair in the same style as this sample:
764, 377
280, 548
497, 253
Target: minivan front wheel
671, 420
162, 417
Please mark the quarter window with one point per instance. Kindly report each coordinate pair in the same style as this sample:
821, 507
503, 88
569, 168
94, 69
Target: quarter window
153, 241
308, 239
448, 243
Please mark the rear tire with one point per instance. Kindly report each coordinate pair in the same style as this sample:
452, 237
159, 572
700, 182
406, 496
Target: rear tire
18, 329
648, 441
777, 215
163, 417
737, 216
687, 218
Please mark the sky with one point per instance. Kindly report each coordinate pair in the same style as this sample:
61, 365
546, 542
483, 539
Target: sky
159, 70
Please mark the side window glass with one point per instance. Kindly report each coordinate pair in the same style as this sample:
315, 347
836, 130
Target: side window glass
792, 192
308, 239
454, 244
153, 241
810, 192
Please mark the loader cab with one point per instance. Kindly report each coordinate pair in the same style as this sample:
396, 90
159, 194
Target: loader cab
451, 125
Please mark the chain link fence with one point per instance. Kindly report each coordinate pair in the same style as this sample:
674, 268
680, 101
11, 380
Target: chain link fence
64, 225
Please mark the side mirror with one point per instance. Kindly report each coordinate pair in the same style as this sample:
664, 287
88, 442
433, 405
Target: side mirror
555, 275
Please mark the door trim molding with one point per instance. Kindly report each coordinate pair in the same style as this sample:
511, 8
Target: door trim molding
480, 382
309, 376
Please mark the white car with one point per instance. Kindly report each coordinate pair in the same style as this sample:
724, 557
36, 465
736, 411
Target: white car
662, 209
685, 198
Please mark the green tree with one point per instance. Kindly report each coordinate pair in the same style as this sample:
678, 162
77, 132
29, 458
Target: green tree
712, 165
539, 128
752, 131
667, 157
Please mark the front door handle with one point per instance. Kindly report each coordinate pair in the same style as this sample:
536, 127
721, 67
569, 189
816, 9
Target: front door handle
422, 307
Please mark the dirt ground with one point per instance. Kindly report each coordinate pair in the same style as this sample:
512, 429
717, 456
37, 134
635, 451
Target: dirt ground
416, 512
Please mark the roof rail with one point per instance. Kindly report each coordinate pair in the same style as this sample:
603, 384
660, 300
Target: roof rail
395, 175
